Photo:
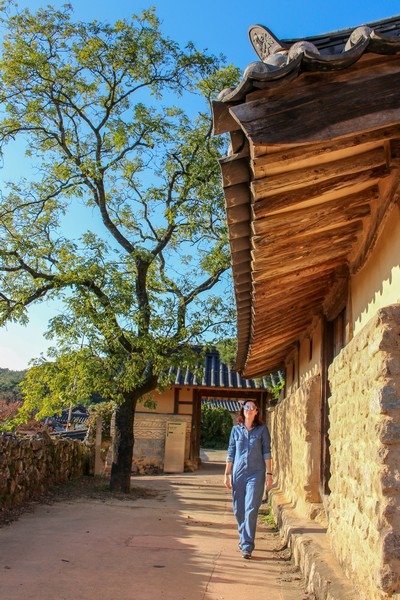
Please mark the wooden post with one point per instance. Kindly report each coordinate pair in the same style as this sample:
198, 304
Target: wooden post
98, 463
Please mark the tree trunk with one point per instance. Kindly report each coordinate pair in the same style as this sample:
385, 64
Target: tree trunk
123, 441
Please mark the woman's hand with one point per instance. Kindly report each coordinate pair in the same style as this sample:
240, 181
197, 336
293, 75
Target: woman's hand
268, 481
228, 481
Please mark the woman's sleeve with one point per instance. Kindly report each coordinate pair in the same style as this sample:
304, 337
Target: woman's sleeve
231, 447
266, 443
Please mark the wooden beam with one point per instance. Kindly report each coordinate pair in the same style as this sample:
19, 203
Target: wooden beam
336, 298
262, 245
302, 214
241, 281
239, 143
293, 153
243, 267
272, 297
317, 218
291, 256
295, 301
237, 194
222, 118
272, 367
282, 332
281, 162
271, 336
318, 173
325, 109
378, 223
235, 172
322, 192
240, 244
230, 393
243, 256
310, 261
239, 230
176, 400
265, 209
242, 307
238, 214
299, 274
272, 291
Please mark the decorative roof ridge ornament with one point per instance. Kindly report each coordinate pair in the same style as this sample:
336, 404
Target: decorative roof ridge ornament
273, 52
264, 42
360, 34
280, 60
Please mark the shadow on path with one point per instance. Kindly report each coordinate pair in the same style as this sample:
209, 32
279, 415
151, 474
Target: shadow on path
180, 543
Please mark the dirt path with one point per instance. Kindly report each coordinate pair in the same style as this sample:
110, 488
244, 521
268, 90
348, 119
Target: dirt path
177, 540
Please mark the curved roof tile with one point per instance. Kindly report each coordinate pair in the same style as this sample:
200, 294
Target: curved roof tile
281, 59
216, 374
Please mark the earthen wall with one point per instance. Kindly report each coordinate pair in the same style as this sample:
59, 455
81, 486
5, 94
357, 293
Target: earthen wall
150, 434
296, 445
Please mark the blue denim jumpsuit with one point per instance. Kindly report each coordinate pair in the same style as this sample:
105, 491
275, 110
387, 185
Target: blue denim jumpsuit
248, 451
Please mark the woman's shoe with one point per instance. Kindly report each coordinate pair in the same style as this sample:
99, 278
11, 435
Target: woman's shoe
246, 555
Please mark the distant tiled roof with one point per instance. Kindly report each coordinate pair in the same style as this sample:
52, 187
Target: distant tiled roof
232, 405
331, 52
78, 416
216, 374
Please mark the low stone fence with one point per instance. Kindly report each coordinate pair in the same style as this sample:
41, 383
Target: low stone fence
29, 466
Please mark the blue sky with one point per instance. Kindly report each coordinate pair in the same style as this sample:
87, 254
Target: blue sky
220, 27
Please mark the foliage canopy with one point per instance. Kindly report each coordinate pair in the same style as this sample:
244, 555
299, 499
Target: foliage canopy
120, 216
97, 107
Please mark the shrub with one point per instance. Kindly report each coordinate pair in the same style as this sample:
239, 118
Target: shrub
216, 425
104, 410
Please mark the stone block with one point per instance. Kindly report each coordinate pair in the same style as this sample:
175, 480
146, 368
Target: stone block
384, 399
386, 579
388, 431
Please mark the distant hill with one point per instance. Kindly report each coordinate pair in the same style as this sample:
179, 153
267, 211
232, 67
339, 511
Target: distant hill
9, 385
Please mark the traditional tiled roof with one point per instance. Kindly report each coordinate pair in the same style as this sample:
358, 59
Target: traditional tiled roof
216, 374
331, 52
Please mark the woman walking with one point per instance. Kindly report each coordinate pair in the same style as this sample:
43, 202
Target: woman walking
248, 469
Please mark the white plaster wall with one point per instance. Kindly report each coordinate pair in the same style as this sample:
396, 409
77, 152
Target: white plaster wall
164, 402
309, 363
378, 283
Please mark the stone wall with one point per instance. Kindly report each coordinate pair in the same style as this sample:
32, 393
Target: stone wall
295, 432
364, 505
29, 466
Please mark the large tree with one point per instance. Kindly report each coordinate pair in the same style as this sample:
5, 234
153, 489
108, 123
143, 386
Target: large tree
99, 112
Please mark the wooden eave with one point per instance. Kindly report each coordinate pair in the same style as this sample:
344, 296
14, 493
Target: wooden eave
313, 172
